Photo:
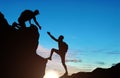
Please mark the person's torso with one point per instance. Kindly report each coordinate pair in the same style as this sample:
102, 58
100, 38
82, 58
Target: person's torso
26, 15
62, 46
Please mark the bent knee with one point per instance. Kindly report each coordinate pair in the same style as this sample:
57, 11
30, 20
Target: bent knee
53, 49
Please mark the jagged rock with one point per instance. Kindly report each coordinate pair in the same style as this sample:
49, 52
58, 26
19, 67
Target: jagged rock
18, 53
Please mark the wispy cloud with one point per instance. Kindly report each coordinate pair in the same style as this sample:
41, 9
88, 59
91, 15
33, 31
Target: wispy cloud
75, 53
113, 64
100, 63
106, 51
114, 52
73, 60
42, 51
99, 50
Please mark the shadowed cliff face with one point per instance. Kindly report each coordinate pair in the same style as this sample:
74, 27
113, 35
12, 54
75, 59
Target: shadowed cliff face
18, 53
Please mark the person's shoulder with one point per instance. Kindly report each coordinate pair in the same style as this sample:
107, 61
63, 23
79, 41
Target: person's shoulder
65, 43
28, 11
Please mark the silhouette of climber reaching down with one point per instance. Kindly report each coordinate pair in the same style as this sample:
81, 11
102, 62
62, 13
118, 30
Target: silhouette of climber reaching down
28, 15
61, 51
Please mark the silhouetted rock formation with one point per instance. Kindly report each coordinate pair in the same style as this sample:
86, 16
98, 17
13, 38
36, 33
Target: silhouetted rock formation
18, 53
113, 72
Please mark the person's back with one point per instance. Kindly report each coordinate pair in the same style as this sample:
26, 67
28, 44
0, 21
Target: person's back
63, 47
26, 15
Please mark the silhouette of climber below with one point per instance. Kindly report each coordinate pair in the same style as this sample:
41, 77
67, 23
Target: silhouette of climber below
61, 51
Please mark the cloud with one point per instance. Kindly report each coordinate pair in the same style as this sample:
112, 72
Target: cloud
100, 63
73, 60
108, 51
75, 53
99, 50
42, 51
113, 64
114, 52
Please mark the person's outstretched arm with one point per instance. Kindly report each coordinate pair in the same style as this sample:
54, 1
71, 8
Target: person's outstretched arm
52, 36
37, 23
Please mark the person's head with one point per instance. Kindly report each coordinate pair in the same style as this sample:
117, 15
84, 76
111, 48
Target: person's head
36, 12
61, 37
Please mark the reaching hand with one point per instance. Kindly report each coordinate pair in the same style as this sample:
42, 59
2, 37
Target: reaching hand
48, 33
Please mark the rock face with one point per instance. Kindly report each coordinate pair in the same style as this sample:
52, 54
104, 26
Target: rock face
18, 53
113, 72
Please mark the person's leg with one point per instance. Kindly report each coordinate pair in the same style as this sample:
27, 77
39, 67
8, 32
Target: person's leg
63, 63
52, 50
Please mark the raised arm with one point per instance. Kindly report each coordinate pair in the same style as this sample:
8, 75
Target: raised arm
52, 36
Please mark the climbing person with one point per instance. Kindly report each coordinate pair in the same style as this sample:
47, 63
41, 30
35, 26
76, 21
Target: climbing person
28, 15
61, 51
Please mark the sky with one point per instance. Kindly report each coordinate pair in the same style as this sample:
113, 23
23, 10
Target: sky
91, 28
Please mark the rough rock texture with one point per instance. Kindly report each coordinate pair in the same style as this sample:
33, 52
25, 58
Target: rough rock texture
18, 53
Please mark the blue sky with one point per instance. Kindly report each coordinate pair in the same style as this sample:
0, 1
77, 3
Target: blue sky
90, 27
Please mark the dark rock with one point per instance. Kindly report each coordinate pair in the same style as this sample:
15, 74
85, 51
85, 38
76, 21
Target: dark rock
113, 72
18, 53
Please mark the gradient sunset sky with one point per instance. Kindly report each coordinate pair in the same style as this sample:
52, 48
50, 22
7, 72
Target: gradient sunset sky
90, 27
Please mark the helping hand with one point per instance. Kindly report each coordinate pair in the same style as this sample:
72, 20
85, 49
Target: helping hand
48, 33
